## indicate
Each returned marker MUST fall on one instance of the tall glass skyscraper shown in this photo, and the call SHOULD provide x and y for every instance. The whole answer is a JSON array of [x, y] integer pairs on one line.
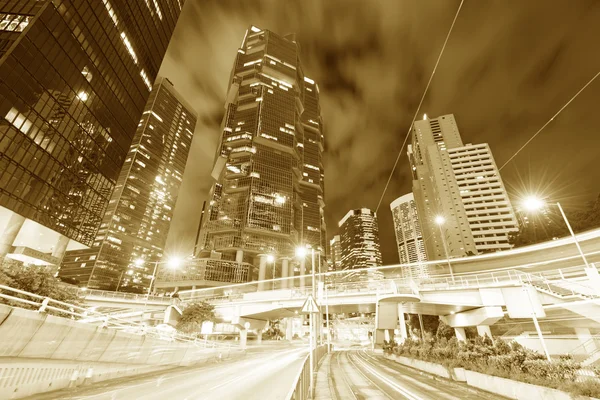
[[74, 80], [411, 247], [135, 228], [268, 194], [359, 233]]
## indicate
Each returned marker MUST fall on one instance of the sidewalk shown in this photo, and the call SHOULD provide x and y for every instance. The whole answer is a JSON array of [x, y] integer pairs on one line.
[[322, 384]]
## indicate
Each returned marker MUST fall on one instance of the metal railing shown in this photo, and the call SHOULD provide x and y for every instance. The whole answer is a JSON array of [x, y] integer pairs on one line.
[[302, 384], [561, 282], [130, 297], [20, 298], [583, 348]]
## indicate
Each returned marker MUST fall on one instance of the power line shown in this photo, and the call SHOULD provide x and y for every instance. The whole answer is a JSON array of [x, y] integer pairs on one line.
[[550, 120], [420, 103]]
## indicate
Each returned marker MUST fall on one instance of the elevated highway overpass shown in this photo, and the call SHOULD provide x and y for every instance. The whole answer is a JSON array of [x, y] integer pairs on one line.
[[551, 277]]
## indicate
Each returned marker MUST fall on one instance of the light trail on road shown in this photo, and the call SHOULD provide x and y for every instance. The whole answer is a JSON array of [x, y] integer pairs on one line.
[[360, 375], [262, 375]]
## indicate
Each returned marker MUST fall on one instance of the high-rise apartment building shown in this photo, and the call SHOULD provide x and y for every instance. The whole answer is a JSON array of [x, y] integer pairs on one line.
[[135, 228], [74, 80], [335, 253], [411, 246], [461, 200], [268, 194], [359, 233]]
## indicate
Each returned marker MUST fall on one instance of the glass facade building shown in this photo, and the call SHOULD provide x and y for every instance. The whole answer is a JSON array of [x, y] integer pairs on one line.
[[268, 194], [335, 253], [411, 247], [74, 80], [133, 234], [359, 233]]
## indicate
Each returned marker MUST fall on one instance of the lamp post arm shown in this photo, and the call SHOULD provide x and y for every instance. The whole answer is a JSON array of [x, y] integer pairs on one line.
[[572, 234]]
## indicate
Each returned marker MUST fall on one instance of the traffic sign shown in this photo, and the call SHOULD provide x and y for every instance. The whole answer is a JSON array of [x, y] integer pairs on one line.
[[310, 306]]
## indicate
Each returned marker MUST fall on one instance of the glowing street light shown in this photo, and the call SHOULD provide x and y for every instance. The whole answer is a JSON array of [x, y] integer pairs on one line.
[[300, 252], [139, 262], [270, 258], [532, 204], [174, 262], [440, 220]]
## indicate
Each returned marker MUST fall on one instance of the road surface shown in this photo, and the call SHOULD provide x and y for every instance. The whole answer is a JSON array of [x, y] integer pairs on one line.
[[358, 375], [266, 375]]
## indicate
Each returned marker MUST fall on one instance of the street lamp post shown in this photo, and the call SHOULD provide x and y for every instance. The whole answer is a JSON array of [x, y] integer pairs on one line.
[[440, 220], [537, 325], [535, 204], [173, 263]]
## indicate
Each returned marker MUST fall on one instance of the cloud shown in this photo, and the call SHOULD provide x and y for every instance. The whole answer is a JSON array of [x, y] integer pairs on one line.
[[505, 71]]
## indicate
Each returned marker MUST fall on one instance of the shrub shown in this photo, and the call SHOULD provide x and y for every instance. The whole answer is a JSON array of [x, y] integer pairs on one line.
[[498, 358]]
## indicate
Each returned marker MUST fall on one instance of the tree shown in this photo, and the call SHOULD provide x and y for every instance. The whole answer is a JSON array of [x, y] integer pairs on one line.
[[430, 323], [36, 281], [274, 331], [194, 315], [444, 331]]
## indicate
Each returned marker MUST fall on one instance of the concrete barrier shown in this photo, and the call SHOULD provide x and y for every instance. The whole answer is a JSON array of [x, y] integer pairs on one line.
[[40, 353], [513, 389]]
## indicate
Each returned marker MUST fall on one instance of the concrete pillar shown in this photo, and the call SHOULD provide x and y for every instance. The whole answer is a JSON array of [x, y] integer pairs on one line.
[[60, 248], [302, 273], [402, 324], [460, 334], [10, 234], [291, 274], [285, 265], [262, 272], [239, 256], [483, 330], [585, 338], [259, 337], [289, 329], [243, 338]]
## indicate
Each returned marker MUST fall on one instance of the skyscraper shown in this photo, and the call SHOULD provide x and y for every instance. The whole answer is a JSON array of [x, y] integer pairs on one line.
[[268, 194], [359, 233], [335, 253], [135, 228], [74, 79], [461, 200], [411, 247]]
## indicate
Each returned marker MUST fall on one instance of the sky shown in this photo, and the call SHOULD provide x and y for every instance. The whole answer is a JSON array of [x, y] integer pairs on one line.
[[508, 67]]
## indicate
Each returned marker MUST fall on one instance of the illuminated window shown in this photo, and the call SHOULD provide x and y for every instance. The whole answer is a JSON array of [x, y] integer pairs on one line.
[[146, 79], [111, 12], [129, 47], [13, 23]]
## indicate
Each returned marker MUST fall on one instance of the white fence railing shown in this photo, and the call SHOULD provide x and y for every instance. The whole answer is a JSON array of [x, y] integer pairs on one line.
[[19, 298]]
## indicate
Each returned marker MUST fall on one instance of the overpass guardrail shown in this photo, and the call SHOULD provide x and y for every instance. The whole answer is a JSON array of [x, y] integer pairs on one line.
[[20, 298], [302, 385], [562, 282]]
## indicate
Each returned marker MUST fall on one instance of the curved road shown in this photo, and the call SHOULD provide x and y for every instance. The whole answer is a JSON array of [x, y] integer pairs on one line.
[[358, 375], [260, 375]]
